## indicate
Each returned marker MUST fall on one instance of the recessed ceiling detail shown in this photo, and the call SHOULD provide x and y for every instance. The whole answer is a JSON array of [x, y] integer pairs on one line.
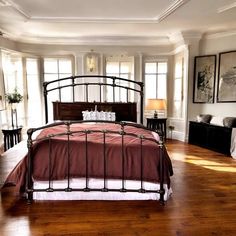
[[147, 22], [171, 7]]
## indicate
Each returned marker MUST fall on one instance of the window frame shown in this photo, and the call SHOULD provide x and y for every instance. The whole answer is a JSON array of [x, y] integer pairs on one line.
[[130, 76], [58, 58], [178, 113], [156, 77]]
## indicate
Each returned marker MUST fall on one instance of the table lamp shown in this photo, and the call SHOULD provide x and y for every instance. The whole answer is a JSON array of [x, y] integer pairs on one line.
[[155, 104]]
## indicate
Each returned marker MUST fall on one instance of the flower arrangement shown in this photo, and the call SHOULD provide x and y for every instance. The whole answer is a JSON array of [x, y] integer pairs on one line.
[[14, 97]]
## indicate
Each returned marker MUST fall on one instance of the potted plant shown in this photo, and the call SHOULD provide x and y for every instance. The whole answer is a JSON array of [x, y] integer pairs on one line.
[[13, 98]]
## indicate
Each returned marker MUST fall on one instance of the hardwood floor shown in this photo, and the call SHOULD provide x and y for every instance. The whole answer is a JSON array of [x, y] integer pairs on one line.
[[203, 203]]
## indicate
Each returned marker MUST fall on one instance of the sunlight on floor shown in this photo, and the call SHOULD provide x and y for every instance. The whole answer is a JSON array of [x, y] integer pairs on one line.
[[19, 225], [213, 165]]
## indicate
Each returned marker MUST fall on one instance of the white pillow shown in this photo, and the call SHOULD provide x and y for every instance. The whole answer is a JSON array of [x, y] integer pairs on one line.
[[217, 120]]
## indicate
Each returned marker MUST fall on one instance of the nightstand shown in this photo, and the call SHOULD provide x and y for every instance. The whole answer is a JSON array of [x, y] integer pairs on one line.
[[12, 136], [157, 124]]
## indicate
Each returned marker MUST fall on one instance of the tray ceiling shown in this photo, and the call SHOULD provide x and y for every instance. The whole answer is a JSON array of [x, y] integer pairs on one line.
[[113, 21]]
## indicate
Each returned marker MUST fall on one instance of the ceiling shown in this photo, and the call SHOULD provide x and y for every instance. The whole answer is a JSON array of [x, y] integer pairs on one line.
[[115, 22]]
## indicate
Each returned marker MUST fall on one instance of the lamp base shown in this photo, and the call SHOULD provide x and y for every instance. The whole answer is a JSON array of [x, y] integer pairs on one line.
[[155, 115]]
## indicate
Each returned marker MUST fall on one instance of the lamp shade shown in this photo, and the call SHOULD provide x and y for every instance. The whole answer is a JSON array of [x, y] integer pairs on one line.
[[156, 104]]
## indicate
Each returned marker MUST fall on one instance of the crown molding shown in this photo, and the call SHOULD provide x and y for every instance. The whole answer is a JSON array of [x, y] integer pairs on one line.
[[185, 36], [94, 40], [179, 49], [173, 7], [219, 34], [226, 7], [17, 8], [4, 3], [94, 20]]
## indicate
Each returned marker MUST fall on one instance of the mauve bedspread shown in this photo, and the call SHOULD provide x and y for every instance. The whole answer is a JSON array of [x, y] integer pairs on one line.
[[76, 164]]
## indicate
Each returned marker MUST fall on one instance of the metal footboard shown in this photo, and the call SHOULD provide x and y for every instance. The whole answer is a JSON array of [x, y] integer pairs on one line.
[[104, 133]]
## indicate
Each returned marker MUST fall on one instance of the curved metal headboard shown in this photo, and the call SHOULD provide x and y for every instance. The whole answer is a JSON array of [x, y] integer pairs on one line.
[[75, 83]]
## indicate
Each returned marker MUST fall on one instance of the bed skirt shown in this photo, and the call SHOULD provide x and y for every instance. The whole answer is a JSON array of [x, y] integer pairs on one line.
[[98, 195]]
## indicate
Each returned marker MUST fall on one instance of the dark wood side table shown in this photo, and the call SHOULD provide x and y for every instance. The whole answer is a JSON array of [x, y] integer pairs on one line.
[[12, 136], [158, 124]]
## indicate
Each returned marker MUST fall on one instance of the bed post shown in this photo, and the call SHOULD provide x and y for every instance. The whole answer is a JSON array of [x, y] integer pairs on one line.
[[162, 190], [141, 103], [45, 93], [29, 182], [73, 86]]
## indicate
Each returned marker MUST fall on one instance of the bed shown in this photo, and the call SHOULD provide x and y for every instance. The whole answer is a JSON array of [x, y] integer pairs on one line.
[[74, 159]]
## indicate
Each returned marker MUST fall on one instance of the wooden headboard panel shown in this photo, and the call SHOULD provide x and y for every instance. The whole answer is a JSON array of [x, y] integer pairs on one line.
[[73, 110]]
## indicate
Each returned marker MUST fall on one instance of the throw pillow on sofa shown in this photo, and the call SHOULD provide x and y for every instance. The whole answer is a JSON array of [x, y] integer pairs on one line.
[[229, 122], [204, 118]]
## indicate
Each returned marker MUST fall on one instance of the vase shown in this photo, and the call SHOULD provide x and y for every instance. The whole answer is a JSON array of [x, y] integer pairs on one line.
[[14, 115]]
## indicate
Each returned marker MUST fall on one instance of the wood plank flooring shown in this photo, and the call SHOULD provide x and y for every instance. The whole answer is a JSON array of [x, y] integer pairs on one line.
[[203, 203]]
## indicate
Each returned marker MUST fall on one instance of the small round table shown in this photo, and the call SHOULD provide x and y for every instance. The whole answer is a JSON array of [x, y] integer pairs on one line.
[[12, 136]]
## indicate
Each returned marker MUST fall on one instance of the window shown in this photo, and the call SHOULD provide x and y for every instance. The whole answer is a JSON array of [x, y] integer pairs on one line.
[[178, 88], [155, 79], [56, 68], [34, 105], [13, 79], [23, 74], [122, 69]]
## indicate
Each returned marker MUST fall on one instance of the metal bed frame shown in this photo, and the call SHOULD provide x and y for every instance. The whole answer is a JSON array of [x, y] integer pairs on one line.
[[68, 134], [75, 82]]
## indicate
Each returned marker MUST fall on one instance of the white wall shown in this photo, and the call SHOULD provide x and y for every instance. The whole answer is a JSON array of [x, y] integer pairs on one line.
[[214, 45], [179, 121]]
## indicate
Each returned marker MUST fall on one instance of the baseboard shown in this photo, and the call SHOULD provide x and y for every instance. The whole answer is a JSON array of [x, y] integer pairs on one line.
[[177, 136]]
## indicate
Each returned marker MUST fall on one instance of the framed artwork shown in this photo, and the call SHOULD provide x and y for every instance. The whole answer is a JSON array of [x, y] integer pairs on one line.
[[204, 79], [226, 89]]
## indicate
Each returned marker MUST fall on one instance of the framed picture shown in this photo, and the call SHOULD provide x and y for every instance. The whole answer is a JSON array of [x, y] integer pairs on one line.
[[204, 79], [226, 89]]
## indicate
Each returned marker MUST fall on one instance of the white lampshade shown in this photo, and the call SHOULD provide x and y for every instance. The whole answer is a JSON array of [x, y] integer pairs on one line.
[[156, 104]]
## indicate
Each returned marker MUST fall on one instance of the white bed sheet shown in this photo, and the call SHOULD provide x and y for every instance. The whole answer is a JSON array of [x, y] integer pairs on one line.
[[233, 143], [98, 183]]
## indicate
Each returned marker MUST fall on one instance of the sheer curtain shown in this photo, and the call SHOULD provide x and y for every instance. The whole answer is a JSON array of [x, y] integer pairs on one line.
[[23, 74], [13, 79], [34, 102]]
